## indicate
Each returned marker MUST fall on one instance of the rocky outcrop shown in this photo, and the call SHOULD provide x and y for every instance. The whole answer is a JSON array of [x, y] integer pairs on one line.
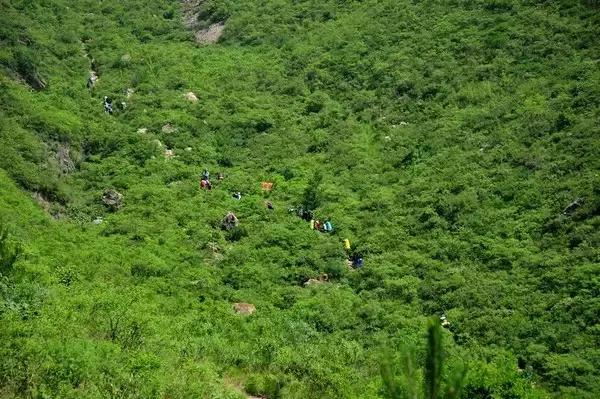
[[229, 222], [210, 34], [112, 199], [204, 32], [65, 163]]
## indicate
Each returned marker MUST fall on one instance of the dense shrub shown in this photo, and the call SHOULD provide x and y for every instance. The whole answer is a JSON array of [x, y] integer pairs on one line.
[[451, 142]]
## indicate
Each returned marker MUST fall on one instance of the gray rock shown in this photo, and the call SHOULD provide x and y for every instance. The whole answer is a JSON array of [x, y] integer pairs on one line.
[[112, 199]]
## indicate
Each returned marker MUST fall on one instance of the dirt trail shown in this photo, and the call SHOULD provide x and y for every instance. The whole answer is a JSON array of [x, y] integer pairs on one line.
[[93, 73]]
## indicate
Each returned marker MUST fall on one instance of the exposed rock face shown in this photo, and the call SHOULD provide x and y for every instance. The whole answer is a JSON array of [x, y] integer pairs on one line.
[[203, 34], [65, 162], [112, 199], [57, 211], [572, 207], [244, 308], [210, 34], [30, 75]]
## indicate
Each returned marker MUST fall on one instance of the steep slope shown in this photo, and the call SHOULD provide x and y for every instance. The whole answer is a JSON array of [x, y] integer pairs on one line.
[[451, 140]]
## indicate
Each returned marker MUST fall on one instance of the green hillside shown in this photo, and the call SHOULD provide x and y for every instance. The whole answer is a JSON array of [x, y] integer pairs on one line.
[[455, 144]]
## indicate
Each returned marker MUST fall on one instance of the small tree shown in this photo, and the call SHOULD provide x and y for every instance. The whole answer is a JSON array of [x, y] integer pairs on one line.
[[433, 361], [432, 373], [312, 194]]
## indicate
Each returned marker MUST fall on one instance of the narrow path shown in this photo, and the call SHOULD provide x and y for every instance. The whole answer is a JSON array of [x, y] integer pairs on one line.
[[93, 73]]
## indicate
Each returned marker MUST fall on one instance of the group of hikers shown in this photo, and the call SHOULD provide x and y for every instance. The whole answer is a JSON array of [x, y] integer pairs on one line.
[[302, 213], [108, 105], [355, 258], [205, 181], [206, 184], [309, 216], [325, 227], [107, 102]]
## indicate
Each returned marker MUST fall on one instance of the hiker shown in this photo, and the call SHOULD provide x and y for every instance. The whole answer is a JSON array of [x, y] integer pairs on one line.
[[220, 176], [347, 244], [206, 184], [108, 105], [327, 227], [306, 214], [312, 224], [269, 205], [92, 81], [318, 225], [237, 196], [205, 175], [444, 321], [357, 261]]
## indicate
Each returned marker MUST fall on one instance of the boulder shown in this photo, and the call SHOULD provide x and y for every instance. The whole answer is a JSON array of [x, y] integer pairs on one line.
[[229, 222], [323, 278], [190, 96], [572, 207], [312, 281], [112, 199], [210, 34], [169, 128], [244, 308]]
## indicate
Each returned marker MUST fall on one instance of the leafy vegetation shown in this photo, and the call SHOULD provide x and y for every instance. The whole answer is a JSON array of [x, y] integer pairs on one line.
[[453, 143]]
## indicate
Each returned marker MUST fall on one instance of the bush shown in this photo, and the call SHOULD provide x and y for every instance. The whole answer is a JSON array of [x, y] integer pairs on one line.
[[9, 251], [236, 234]]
